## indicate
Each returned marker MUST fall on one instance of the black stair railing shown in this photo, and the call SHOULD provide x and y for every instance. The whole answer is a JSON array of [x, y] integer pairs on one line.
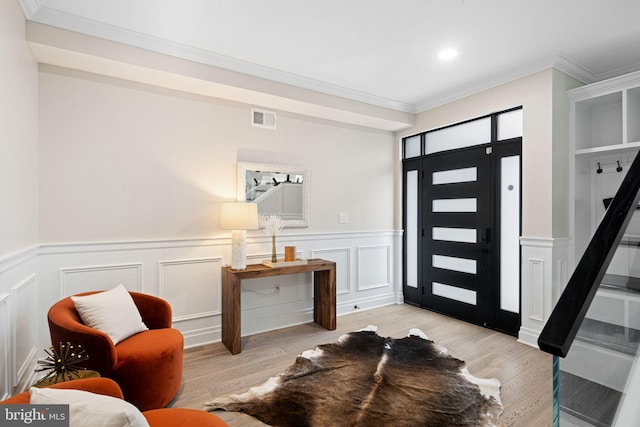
[[563, 324]]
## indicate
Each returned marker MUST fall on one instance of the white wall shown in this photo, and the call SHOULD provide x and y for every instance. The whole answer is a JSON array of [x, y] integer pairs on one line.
[[19, 137], [18, 201], [561, 152], [131, 179], [125, 163]]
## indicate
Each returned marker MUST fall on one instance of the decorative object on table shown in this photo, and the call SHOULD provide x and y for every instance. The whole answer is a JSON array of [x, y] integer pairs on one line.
[[282, 263], [62, 365], [397, 382], [272, 226], [289, 253], [239, 217]]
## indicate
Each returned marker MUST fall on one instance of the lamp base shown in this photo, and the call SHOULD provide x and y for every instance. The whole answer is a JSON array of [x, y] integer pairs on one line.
[[238, 249]]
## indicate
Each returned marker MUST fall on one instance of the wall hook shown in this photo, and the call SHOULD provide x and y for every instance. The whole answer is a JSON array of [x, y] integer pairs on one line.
[[619, 168], [599, 170]]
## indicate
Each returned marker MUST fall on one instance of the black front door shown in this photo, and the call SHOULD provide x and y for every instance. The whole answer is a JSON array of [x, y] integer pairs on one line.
[[457, 227], [457, 233]]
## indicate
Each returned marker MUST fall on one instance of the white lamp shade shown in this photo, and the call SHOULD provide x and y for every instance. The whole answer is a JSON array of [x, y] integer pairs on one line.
[[239, 216]]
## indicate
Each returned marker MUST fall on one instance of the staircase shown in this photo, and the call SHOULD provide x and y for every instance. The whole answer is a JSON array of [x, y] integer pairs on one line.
[[593, 375], [594, 329]]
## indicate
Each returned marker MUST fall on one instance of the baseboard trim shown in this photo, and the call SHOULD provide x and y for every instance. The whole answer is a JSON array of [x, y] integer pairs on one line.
[[528, 337]]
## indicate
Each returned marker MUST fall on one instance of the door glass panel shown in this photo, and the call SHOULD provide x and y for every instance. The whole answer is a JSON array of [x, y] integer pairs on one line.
[[412, 228], [453, 292], [455, 175], [510, 234], [412, 147], [463, 135], [462, 235], [454, 205], [510, 124], [463, 265]]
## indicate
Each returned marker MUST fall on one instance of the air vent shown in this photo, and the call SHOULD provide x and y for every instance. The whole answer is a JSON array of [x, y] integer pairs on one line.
[[263, 119]]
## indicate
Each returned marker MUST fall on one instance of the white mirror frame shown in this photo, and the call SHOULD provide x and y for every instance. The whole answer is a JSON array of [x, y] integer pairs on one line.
[[242, 169]]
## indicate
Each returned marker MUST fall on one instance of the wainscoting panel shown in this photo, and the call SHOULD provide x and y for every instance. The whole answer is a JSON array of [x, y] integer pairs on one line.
[[342, 258], [536, 290], [5, 348], [24, 344], [187, 274], [75, 280], [272, 291], [374, 267], [544, 275], [20, 324], [192, 287]]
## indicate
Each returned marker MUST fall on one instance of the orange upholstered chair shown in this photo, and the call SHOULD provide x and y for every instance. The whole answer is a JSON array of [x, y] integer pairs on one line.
[[147, 366], [167, 417]]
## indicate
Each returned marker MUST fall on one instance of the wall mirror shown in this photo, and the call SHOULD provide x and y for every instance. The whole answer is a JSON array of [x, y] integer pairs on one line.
[[281, 190]]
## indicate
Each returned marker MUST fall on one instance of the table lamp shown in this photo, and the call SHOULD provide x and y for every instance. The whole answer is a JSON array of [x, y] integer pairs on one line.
[[239, 217]]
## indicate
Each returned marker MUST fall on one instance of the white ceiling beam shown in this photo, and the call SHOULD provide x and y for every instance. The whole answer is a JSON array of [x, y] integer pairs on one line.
[[56, 46]]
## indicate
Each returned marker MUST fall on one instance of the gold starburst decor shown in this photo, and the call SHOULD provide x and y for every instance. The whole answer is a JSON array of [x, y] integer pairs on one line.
[[62, 365]]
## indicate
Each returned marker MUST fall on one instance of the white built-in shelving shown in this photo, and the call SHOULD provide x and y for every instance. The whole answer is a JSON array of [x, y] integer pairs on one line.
[[604, 140], [605, 136]]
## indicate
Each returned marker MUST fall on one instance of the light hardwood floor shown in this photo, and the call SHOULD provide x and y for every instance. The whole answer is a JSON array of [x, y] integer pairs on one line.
[[525, 372]]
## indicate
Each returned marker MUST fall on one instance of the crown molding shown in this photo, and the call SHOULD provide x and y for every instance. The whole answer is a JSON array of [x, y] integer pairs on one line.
[[612, 84], [35, 11], [620, 72], [561, 63], [44, 15], [573, 69], [30, 7]]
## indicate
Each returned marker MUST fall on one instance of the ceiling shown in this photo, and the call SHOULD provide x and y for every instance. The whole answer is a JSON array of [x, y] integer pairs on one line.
[[380, 52]]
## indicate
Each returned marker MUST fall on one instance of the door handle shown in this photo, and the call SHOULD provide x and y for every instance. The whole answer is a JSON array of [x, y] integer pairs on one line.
[[485, 235]]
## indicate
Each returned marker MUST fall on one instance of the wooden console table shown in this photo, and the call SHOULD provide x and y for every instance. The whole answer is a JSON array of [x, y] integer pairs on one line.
[[324, 295]]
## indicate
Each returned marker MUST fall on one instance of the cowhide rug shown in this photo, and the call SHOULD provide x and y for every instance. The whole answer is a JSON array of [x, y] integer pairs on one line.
[[368, 380]]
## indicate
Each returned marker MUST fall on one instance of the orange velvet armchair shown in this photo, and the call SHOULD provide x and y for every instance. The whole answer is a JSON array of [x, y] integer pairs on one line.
[[167, 417], [147, 366]]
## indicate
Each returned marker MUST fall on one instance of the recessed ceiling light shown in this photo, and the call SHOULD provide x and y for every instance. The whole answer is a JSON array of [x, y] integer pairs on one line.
[[447, 54]]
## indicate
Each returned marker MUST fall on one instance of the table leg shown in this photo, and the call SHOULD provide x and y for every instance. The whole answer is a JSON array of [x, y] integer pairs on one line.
[[231, 312], [324, 298]]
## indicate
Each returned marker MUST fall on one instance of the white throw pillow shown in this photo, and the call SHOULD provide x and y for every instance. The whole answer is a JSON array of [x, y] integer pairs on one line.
[[90, 409], [112, 312]]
